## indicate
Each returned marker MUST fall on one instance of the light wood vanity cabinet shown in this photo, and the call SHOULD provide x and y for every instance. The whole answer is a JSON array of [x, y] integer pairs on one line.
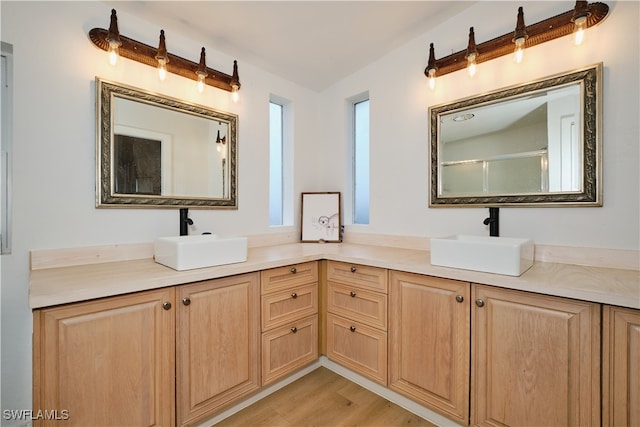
[[621, 367], [218, 344], [158, 358], [357, 318], [429, 342], [535, 359], [289, 319], [108, 362]]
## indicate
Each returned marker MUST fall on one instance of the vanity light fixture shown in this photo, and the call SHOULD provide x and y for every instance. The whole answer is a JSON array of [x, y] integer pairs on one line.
[[162, 58], [119, 45], [113, 39], [201, 72], [431, 69], [520, 36], [583, 15], [472, 53], [580, 16]]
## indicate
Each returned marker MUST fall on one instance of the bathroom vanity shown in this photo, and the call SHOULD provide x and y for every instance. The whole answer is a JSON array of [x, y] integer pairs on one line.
[[528, 349]]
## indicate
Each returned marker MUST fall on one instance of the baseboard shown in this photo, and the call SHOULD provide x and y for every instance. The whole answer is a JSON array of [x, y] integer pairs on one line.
[[261, 394], [390, 395]]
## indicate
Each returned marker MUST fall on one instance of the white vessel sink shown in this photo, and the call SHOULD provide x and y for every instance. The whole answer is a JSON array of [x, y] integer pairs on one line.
[[189, 252], [500, 255]]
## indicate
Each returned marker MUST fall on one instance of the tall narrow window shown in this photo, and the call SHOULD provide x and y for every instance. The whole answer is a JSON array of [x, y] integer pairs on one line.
[[6, 108], [361, 162], [276, 138]]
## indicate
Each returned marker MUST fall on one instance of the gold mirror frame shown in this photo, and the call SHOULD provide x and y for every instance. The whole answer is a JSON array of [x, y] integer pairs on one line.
[[106, 197], [590, 79]]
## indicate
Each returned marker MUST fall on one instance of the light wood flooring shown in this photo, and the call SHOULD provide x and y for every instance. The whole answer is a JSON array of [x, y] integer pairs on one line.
[[323, 398]]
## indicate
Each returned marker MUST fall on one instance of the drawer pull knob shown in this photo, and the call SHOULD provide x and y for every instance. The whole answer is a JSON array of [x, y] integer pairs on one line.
[[353, 269], [294, 295], [186, 300], [353, 294], [352, 328], [480, 303], [293, 270], [459, 298], [294, 329], [166, 305]]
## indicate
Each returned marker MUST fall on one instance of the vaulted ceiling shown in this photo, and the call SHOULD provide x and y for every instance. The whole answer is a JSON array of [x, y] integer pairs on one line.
[[312, 43]]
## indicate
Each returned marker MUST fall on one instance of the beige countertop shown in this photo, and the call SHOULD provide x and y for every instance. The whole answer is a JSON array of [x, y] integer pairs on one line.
[[54, 286]]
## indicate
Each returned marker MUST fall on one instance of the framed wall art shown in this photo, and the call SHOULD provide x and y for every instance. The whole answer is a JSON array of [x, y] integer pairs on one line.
[[321, 217]]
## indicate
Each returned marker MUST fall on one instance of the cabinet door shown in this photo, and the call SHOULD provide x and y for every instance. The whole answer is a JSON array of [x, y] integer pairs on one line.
[[621, 367], [108, 362], [288, 348], [429, 342], [218, 344], [358, 347], [535, 360]]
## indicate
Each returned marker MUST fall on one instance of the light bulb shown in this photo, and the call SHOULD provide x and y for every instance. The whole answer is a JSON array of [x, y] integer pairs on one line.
[[579, 29], [519, 51], [471, 64], [113, 52], [235, 95], [201, 77], [432, 78], [218, 147], [162, 69]]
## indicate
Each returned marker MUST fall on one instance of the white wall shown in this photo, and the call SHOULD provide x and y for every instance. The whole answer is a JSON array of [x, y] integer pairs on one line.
[[54, 136], [400, 98], [54, 144]]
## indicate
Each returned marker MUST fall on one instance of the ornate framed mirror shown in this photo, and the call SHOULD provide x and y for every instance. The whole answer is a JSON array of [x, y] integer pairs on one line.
[[535, 144], [156, 151]]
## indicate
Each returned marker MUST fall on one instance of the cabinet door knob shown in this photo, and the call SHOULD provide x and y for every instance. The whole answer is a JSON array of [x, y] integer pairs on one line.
[[480, 303], [353, 294], [294, 295], [293, 270], [166, 305], [353, 269], [186, 300], [352, 328], [459, 298], [294, 329]]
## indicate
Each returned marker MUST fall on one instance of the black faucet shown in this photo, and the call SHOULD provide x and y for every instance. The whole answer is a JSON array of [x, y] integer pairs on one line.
[[493, 222], [185, 221]]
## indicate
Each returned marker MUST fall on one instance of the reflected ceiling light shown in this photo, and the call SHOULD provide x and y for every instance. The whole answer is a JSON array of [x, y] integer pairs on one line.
[[472, 53], [584, 15], [519, 36], [464, 117], [118, 45], [162, 58], [220, 141]]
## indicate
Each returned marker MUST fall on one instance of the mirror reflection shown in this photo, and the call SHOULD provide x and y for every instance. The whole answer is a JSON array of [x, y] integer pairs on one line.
[[535, 143], [157, 151]]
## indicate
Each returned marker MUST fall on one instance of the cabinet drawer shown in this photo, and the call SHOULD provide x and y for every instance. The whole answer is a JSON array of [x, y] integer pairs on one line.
[[363, 276], [277, 279], [288, 348], [358, 304], [282, 307], [358, 347]]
